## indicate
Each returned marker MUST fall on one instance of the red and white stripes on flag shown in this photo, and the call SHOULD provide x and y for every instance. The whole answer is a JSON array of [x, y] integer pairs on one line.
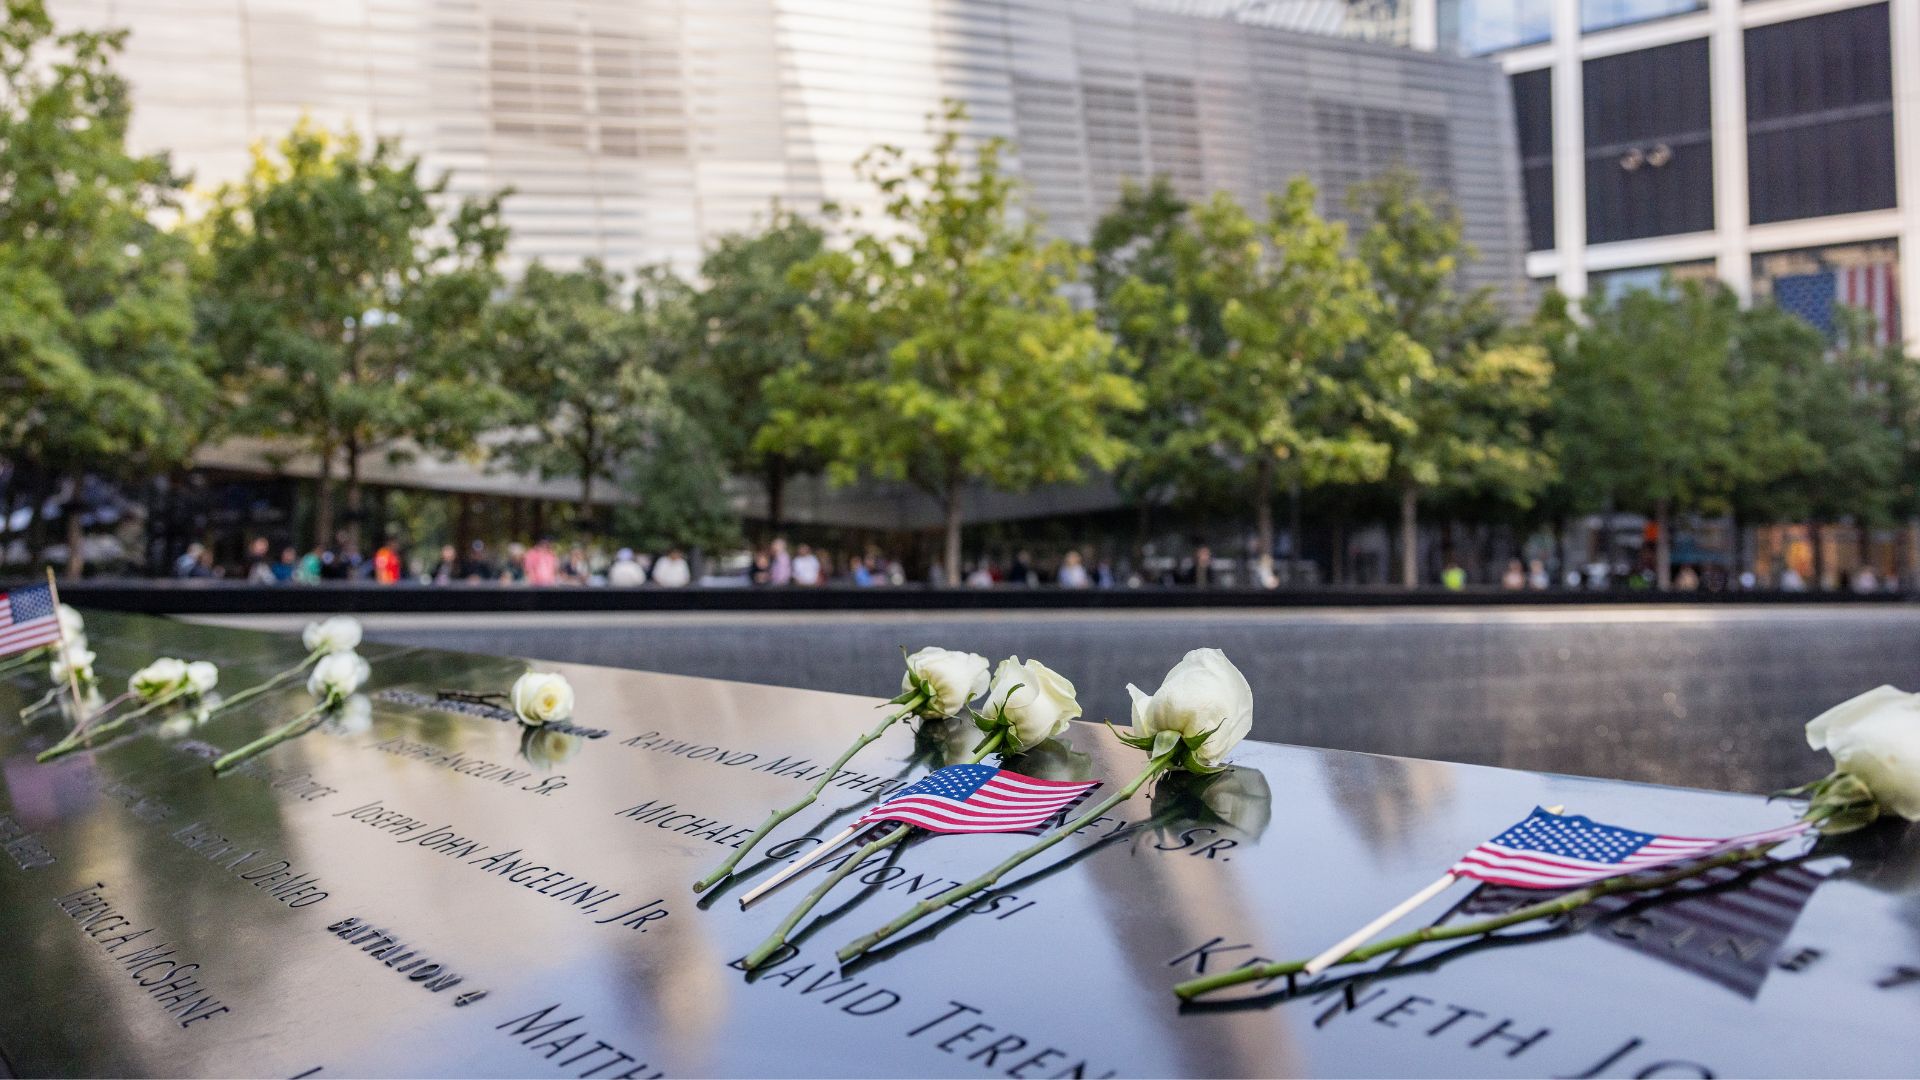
[[1565, 851], [28, 618], [978, 799], [1871, 289]]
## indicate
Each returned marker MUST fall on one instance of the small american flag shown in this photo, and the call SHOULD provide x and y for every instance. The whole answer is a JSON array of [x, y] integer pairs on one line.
[[27, 619], [1563, 851], [1813, 297], [978, 799]]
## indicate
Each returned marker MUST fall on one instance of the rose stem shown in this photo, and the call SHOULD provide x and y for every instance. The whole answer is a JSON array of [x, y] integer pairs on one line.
[[819, 785], [778, 939], [262, 688], [25, 658], [75, 739], [927, 907], [266, 742], [1193, 988]]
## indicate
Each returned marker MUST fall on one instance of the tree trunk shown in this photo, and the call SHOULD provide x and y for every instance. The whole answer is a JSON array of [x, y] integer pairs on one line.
[[1263, 521], [40, 492], [76, 536], [1410, 536], [950, 557], [1910, 577], [1560, 549], [354, 497], [776, 482], [1662, 546], [1296, 541], [1736, 541], [586, 502], [1819, 582], [323, 502]]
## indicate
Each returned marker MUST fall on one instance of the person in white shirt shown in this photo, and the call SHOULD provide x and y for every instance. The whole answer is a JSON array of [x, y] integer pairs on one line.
[[806, 566], [1073, 572], [670, 571], [626, 572]]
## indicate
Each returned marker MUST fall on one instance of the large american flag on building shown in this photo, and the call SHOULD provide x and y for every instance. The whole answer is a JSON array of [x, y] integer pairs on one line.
[[978, 799], [1814, 297], [27, 618], [1564, 851]]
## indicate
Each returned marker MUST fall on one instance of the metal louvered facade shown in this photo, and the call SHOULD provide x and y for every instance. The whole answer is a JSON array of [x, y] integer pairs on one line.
[[633, 131]]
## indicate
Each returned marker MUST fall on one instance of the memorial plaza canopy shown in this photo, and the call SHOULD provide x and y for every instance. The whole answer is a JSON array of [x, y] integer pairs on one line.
[[437, 891]]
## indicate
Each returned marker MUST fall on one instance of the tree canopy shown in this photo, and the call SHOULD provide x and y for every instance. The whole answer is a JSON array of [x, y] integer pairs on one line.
[[343, 292], [945, 350], [96, 316]]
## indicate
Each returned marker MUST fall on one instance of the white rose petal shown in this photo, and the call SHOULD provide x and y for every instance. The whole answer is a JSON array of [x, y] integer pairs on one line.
[[953, 678], [354, 717], [339, 634], [1875, 737], [160, 677], [337, 676], [78, 661], [542, 697], [1037, 700], [203, 676], [72, 626], [1203, 693]]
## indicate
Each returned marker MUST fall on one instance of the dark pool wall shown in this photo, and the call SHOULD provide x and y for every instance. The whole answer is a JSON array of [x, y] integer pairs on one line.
[[1696, 696]]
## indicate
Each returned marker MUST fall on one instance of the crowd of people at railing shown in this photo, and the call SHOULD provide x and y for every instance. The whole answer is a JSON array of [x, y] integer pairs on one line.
[[779, 564]]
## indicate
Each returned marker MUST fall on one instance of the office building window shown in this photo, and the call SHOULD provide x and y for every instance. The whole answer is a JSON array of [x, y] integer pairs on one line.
[[1608, 286], [1601, 14], [1476, 27], [1816, 283], [1820, 116], [1533, 120], [1649, 144]]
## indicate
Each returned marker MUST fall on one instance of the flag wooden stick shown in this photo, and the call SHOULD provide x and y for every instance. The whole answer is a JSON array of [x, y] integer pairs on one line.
[[1345, 945], [1361, 936], [797, 868], [66, 658]]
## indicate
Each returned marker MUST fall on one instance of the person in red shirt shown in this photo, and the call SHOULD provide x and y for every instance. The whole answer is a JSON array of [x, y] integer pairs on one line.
[[543, 564], [386, 564]]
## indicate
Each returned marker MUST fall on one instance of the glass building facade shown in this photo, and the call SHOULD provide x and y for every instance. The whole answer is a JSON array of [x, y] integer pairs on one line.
[[1775, 141], [633, 131]]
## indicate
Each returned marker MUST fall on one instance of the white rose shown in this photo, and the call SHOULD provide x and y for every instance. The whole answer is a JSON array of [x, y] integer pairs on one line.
[[72, 626], [1203, 693], [337, 676], [354, 716], [1037, 700], [203, 676], [542, 697], [951, 679], [163, 676], [546, 748], [78, 661], [1875, 738], [338, 634]]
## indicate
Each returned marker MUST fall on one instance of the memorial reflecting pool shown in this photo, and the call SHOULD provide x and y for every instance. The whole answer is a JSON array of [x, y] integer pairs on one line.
[[1698, 696], [437, 894]]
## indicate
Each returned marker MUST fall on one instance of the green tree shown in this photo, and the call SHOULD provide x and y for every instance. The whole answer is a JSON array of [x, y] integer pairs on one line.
[[344, 297], [1152, 295], [1644, 408], [96, 320], [584, 358], [1272, 401], [947, 351], [748, 329], [679, 480], [1458, 406]]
